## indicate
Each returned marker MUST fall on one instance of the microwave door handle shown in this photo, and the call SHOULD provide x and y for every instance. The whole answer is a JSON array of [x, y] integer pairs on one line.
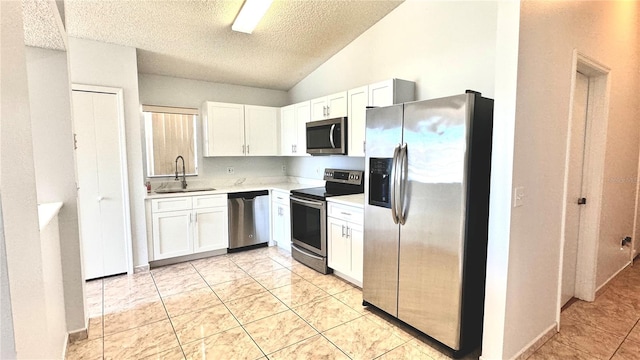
[[394, 165], [333, 128]]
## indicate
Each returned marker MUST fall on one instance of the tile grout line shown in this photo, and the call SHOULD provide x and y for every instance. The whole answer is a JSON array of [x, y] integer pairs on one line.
[[167, 312], [229, 310], [623, 340]]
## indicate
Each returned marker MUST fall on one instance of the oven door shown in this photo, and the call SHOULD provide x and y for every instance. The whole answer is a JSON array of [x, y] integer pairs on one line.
[[309, 224]]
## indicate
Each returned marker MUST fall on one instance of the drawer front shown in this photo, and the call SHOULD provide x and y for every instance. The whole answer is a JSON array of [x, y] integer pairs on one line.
[[347, 213], [171, 204], [207, 201], [280, 197]]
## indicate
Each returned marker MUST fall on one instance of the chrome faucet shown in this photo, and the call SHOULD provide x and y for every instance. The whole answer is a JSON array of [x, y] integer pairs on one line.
[[184, 176]]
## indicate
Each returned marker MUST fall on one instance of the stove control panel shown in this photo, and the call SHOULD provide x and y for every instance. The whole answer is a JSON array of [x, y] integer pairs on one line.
[[354, 177]]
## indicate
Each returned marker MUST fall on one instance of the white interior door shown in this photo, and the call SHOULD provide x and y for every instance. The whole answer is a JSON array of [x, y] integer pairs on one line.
[[101, 193], [575, 186]]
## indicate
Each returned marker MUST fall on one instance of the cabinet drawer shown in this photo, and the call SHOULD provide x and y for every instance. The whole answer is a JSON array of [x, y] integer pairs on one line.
[[280, 197], [206, 201], [171, 204], [348, 213]]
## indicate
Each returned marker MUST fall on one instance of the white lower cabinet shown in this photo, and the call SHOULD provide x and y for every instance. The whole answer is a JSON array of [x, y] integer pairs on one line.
[[281, 219], [189, 225], [344, 238]]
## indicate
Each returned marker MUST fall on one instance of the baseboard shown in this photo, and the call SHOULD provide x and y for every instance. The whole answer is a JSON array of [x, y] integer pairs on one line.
[[141, 269], [77, 335], [348, 278], [65, 347], [534, 345], [602, 288]]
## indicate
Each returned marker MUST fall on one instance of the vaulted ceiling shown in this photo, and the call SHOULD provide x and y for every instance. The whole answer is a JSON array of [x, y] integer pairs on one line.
[[193, 39]]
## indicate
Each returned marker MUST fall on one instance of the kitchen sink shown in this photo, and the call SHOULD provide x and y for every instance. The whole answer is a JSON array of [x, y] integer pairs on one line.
[[179, 190]]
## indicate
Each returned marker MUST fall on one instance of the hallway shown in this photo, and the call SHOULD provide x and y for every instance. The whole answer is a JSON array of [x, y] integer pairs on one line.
[[607, 328]]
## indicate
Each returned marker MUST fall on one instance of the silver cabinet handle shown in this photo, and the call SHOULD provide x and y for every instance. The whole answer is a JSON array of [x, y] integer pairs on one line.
[[243, 148], [328, 111], [331, 131], [293, 148], [342, 230], [349, 232], [394, 165], [345, 213], [324, 111]]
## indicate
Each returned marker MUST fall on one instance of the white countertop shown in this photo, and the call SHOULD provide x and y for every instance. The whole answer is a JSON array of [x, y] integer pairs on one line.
[[284, 186], [48, 211], [350, 200]]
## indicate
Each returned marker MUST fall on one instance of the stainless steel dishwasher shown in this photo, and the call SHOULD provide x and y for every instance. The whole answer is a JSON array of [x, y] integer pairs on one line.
[[248, 219]]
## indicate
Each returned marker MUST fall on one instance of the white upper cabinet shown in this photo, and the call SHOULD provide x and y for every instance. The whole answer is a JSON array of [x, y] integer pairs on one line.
[[384, 93], [223, 129], [389, 92], [239, 130], [358, 102], [328, 107], [261, 130], [293, 129]]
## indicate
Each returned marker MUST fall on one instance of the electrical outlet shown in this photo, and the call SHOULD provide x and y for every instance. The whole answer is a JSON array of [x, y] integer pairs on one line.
[[284, 168], [230, 170]]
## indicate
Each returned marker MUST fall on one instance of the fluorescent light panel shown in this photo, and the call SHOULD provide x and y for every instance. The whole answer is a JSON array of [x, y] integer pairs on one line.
[[250, 15]]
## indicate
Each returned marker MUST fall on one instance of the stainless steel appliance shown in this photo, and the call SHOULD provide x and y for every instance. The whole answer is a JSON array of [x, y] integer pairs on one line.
[[426, 211], [248, 219], [327, 137], [309, 216]]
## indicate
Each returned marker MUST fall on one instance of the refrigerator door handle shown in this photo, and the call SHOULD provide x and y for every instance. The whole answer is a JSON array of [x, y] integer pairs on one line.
[[394, 172], [402, 183]]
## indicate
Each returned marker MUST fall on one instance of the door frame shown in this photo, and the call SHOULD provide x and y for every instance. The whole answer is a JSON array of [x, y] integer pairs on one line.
[[594, 157], [123, 161]]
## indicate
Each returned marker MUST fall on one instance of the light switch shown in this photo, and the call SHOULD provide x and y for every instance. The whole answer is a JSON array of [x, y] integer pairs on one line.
[[518, 196]]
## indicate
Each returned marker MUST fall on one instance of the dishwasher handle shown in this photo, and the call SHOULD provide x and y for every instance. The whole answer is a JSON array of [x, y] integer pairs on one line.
[[247, 195]]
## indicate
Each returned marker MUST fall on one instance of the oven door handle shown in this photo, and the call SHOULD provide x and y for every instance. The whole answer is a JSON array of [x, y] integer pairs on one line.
[[307, 253], [317, 204]]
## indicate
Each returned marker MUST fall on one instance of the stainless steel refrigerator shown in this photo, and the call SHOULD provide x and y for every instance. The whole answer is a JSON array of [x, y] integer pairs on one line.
[[426, 215]]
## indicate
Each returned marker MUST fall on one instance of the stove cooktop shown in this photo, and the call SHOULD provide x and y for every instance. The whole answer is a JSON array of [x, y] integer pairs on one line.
[[338, 182]]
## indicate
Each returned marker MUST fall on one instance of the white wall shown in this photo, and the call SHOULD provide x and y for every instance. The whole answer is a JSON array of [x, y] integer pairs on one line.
[[54, 164], [549, 32], [7, 340], [18, 189], [171, 91], [102, 64], [446, 47]]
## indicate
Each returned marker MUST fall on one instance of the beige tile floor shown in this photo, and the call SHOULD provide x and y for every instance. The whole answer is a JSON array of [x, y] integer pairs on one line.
[[256, 304], [607, 328]]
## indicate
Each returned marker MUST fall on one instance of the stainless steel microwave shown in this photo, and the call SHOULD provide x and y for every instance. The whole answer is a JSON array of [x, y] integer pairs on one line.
[[327, 137]]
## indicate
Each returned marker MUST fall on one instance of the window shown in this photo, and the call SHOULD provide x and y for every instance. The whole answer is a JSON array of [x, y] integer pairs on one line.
[[170, 132]]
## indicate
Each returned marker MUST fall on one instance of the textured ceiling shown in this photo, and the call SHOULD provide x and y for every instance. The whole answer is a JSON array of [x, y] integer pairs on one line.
[[41, 27], [193, 39]]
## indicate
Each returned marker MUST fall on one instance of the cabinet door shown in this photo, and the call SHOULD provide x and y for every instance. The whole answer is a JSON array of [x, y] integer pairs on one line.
[[261, 130], [286, 227], [211, 229], [303, 116], [319, 108], [339, 246], [358, 101], [172, 234], [224, 129], [288, 130], [337, 105], [381, 94], [356, 236]]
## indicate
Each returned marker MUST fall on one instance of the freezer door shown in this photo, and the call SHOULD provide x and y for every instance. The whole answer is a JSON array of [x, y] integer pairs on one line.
[[432, 238], [380, 277]]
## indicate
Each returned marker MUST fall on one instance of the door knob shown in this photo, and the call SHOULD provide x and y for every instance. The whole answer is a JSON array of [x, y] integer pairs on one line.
[[582, 201]]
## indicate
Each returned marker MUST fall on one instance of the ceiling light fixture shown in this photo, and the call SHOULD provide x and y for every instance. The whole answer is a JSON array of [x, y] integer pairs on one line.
[[250, 15]]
